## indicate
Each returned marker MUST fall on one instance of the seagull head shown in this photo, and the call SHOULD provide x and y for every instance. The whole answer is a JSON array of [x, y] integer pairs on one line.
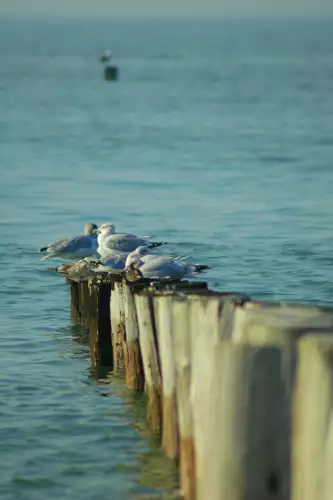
[[143, 250], [133, 260], [90, 228], [105, 229]]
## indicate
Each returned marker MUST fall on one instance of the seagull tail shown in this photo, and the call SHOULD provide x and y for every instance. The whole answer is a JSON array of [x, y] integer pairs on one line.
[[200, 269], [155, 244], [43, 249]]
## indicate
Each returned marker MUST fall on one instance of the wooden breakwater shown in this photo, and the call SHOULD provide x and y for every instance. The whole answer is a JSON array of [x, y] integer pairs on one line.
[[240, 392]]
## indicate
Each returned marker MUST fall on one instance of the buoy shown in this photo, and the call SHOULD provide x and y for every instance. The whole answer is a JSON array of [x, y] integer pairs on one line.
[[111, 73]]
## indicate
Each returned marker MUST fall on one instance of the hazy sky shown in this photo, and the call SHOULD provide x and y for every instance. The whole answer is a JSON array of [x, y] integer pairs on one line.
[[169, 7]]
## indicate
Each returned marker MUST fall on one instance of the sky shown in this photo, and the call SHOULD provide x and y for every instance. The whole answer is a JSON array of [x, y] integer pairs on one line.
[[248, 8]]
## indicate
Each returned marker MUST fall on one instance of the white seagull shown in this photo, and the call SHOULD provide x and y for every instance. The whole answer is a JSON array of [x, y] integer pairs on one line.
[[108, 240], [77, 246], [114, 262], [160, 266]]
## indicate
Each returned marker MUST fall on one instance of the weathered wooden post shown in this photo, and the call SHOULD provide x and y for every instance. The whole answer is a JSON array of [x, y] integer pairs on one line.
[[131, 348], [85, 303], [220, 430], [164, 330], [151, 366], [187, 317], [280, 324], [205, 337], [241, 394], [312, 445], [99, 323], [75, 304], [275, 325], [117, 314], [182, 357], [240, 380]]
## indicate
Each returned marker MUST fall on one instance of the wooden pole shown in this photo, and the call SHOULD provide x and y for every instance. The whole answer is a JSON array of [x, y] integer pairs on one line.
[[312, 456], [99, 323], [75, 307], [265, 472], [280, 325], [204, 335], [117, 325], [182, 357], [84, 301], [220, 431], [164, 330], [194, 314], [150, 359], [131, 348]]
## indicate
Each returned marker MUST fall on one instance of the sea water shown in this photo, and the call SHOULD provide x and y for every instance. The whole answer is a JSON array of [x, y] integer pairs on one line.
[[217, 138]]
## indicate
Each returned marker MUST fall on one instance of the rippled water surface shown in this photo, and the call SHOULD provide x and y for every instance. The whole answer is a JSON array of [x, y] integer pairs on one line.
[[218, 139]]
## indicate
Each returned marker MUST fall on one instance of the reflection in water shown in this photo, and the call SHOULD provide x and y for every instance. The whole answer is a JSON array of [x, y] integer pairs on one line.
[[157, 476], [80, 340]]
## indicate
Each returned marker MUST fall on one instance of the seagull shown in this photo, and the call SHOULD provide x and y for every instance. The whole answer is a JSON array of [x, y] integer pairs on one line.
[[106, 56], [77, 246], [108, 240], [113, 262], [160, 266]]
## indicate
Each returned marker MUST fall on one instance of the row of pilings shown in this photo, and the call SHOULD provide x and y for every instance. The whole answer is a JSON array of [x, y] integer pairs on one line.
[[240, 392]]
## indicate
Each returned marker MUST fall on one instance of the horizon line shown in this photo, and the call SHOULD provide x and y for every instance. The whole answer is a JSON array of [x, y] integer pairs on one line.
[[168, 16]]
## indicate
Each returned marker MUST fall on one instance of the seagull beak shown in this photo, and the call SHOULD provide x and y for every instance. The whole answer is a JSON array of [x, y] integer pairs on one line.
[[96, 231]]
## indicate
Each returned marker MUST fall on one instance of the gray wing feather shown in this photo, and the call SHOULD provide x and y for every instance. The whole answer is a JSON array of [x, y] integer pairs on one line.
[[70, 245]]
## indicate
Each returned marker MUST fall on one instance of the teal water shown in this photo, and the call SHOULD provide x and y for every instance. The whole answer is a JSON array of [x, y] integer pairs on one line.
[[217, 139]]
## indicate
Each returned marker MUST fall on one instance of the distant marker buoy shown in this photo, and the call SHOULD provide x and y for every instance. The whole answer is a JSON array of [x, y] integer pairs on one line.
[[111, 73]]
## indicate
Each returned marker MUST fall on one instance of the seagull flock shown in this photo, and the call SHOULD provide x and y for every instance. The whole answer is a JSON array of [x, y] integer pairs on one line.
[[102, 250]]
